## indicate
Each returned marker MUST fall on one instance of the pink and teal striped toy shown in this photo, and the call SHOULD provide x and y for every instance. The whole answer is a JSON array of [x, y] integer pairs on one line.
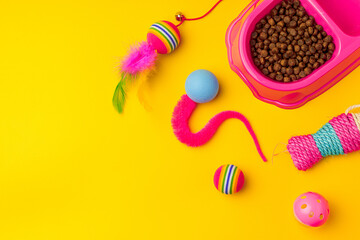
[[339, 136]]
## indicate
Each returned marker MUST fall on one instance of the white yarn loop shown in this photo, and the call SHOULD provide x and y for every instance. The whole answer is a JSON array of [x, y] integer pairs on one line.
[[352, 108], [356, 117]]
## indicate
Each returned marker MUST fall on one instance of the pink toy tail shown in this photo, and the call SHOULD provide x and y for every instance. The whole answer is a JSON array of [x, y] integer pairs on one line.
[[180, 119]]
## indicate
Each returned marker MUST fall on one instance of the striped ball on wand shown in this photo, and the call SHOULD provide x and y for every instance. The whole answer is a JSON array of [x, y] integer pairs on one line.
[[163, 37]]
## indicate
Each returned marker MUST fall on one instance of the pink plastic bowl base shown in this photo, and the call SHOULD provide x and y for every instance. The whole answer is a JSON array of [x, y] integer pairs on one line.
[[311, 209], [340, 19]]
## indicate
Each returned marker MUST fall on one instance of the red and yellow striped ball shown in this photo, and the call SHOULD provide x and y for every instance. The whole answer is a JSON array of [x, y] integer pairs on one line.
[[164, 37], [228, 179]]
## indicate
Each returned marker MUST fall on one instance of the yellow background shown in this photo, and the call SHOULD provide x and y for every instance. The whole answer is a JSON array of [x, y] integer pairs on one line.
[[72, 168]]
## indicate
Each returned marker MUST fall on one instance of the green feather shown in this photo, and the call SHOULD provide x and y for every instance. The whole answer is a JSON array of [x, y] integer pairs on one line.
[[120, 94]]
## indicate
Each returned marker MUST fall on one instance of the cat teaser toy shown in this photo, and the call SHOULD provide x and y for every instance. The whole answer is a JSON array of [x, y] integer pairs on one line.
[[339, 136], [163, 37]]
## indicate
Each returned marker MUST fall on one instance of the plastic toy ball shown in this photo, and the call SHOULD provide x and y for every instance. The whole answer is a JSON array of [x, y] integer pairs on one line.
[[201, 86], [311, 209], [228, 179]]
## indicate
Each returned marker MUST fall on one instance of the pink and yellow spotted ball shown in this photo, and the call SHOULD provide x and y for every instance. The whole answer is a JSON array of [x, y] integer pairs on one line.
[[311, 209]]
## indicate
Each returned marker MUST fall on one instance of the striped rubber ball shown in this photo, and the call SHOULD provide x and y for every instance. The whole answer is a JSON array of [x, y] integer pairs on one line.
[[164, 37], [228, 179]]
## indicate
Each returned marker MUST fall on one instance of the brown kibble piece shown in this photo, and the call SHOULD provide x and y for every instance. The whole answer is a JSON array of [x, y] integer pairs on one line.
[[316, 65], [302, 26], [307, 71], [331, 46], [304, 47], [328, 39], [292, 11], [306, 59], [312, 50], [292, 32], [264, 53], [272, 75], [287, 19], [274, 11], [292, 62], [277, 67], [309, 22], [296, 70], [265, 71], [271, 31], [263, 36], [310, 30], [284, 62], [279, 77], [312, 60], [271, 21], [302, 74], [292, 24], [274, 50], [281, 24], [318, 46], [289, 71], [274, 39], [328, 56], [262, 61], [270, 68], [319, 27]]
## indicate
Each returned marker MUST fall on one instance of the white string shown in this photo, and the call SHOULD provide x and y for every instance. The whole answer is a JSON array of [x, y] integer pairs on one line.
[[352, 108], [356, 117], [276, 154]]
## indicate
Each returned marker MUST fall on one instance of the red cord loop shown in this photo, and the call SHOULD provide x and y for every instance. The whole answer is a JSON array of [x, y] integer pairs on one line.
[[180, 17]]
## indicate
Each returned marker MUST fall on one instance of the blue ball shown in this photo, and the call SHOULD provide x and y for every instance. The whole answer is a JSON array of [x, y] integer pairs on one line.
[[201, 86]]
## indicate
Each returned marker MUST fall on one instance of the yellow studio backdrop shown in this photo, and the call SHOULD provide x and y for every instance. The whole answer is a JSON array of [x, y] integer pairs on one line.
[[72, 168]]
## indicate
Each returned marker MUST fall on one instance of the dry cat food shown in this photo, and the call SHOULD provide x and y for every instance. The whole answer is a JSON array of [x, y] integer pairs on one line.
[[288, 45]]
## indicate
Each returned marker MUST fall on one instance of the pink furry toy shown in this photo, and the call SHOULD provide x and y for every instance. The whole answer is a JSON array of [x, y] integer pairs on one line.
[[197, 87]]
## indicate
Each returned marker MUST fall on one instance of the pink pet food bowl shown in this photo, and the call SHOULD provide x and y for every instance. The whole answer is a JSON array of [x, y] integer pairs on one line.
[[339, 18]]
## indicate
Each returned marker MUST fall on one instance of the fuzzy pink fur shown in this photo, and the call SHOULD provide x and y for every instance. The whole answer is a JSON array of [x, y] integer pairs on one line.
[[180, 119], [140, 58]]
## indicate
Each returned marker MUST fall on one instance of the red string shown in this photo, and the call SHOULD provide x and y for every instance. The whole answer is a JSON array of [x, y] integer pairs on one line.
[[193, 19]]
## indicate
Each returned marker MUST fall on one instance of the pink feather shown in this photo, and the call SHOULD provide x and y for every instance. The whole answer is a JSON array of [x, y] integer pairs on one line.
[[180, 119], [140, 58]]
